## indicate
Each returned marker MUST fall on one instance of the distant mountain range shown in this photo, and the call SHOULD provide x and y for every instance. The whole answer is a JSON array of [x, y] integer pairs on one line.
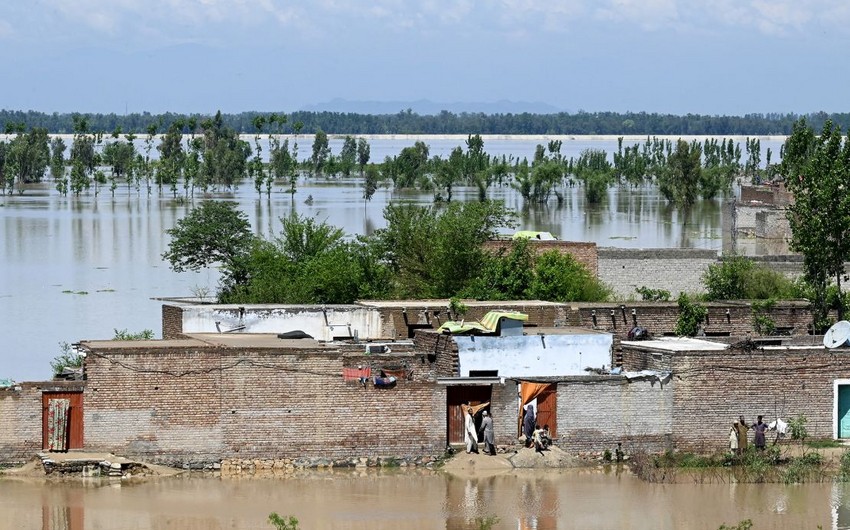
[[426, 107]]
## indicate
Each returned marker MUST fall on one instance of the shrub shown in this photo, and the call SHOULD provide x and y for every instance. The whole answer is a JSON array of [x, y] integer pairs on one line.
[[798, 427], [69, 358], [691, 315], [739, 278], [653, 295]]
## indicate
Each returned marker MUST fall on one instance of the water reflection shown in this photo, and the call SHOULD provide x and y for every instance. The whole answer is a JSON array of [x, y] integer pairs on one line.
[[419, 500]]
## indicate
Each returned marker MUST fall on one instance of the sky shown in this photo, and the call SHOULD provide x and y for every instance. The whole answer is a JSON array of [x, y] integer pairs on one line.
[[676, 56]]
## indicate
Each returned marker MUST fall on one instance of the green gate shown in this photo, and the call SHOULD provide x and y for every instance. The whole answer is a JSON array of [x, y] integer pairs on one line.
[[844, 411]]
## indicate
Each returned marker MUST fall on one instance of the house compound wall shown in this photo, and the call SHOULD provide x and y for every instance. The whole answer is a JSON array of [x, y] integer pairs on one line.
[[595, 413], [20, 423], [711, 389], [670, 269], [196, 405]]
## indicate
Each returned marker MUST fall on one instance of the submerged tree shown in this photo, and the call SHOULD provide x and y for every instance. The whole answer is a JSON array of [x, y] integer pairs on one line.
[[212, 233]]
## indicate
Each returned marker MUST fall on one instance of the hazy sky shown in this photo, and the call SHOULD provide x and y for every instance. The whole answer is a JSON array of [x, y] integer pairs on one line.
[[680, 56]]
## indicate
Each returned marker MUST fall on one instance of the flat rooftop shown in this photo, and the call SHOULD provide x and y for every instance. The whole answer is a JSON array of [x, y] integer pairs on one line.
[[439, 304], [236, 340], [675, 344]]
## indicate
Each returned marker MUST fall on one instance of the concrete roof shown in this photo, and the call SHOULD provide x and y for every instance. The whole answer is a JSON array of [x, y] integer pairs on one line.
[[675, 344]]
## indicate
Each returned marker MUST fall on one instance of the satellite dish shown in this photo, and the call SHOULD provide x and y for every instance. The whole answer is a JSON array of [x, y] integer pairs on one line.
[[837, 335]]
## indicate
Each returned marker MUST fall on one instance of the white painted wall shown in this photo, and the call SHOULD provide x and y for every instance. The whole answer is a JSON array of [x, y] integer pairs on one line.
[[366, 321], [534, 355]]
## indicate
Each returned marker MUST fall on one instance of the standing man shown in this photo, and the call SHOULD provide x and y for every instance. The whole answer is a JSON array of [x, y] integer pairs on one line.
[[469, 434], [487, 431], [759, 427], [742, 428]]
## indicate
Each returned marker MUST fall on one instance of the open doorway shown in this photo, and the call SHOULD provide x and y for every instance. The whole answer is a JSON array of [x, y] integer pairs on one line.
[[456, 397]]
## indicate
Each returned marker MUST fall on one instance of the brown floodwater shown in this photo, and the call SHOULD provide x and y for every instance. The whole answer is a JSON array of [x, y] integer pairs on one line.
[[417, 499]]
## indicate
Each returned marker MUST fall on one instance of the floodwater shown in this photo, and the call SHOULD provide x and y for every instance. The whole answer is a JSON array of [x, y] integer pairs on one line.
[[77, 268], [415, 499]]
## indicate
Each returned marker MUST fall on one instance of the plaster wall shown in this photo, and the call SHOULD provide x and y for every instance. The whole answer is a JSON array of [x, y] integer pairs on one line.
[[534, 355], [336, 320]]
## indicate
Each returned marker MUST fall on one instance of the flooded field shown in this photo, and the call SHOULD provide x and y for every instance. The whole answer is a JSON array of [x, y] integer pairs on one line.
[[415, 499], [78, 268]]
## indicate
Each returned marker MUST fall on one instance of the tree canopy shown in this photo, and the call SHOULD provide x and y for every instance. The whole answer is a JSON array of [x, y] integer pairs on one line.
[[817, 172], [212, 233]]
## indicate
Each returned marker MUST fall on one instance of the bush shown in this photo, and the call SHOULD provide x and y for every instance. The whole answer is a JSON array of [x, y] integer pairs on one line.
[[653, 295], [739, 278], [560, 278], [691, 315]]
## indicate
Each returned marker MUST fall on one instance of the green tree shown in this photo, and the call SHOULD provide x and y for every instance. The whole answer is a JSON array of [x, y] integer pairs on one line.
[[680, 181], [321, 152], [560, 278], [171, 157], [370, 182], [363, 153], [224, 155], [739, 278], [212, 233], [435, 253], [348, 155], [817, 172]]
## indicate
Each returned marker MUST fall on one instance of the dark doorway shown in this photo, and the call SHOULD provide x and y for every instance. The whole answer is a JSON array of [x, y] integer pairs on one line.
[[456, 397]]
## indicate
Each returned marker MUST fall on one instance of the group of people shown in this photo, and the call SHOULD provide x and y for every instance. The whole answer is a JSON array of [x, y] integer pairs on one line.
[[534, 435], [470, 434], [738, 438]]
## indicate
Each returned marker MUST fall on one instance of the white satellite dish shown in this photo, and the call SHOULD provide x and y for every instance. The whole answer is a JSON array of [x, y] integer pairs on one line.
[[837, 335]]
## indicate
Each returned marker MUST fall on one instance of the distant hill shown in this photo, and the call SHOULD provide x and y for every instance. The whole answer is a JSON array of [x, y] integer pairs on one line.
[[427, 107]]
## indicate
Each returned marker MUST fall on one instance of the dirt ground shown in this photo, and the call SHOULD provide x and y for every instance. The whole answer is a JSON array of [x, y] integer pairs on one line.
[[478, 465]]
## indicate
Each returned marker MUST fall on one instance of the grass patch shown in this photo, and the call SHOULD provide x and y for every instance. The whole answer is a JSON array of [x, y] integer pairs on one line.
[[74, 292], [823, 444]]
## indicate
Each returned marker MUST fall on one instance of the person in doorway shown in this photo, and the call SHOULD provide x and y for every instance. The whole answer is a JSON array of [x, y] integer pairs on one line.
[[741, 427], [528, 424], [470, 436], [759, 427], [487, 434], [733, 438]]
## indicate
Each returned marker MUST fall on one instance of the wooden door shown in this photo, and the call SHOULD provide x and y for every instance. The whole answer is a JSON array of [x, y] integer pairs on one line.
[[75, 417], [547, 410], [456, 397]]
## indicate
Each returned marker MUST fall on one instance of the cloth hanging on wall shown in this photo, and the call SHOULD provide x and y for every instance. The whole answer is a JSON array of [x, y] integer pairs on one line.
[[57, 424]]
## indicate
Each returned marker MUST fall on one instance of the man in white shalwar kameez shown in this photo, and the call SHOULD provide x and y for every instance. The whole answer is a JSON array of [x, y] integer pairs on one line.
[[470, 436]]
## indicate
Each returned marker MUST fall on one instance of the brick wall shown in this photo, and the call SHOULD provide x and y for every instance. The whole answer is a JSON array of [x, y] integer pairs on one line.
[[172, 322], [20, 423], [440, 350], [712, 390], [675, 270], [196, 405], [660, 317], [21, 418], [582, 251], [595, 413]]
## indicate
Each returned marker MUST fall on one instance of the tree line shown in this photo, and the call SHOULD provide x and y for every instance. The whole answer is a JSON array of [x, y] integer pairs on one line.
[[409, 122], [208, 155]]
